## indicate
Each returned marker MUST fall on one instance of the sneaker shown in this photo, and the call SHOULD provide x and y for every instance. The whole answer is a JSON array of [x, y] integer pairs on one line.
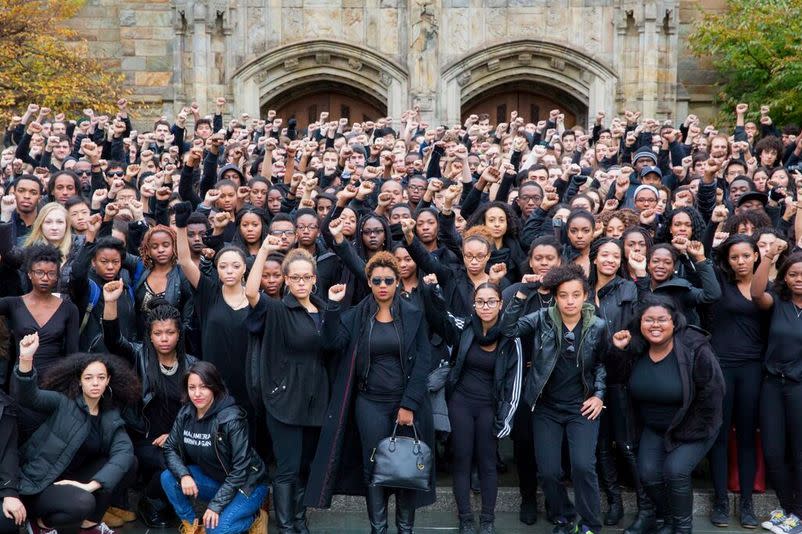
[[563, 526], [720, 514], [582, 529], [32, 527], [776, 518], [791, 525], [100, 528]]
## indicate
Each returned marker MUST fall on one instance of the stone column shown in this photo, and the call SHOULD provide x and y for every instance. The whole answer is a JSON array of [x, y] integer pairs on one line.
[[201, 37]]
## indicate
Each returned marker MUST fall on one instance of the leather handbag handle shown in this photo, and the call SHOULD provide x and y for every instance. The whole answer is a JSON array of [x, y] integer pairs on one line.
[[414, 431]]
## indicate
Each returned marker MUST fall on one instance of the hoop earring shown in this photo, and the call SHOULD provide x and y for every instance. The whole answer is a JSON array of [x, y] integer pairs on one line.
[[111, 392], [314, 288]]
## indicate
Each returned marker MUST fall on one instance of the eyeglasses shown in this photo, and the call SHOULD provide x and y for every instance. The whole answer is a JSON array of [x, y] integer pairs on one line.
[[478, 257], [44, 274], [297, 278], [416, 188], [570, 338], [530, 198], [656, 321], [377, 281], [486, 304], [372, 231], [281, 233], [306, 227]]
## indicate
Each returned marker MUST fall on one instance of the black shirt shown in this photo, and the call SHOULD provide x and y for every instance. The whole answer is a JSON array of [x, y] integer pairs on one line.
[[91, 448], [163, 408], [656, 389], [385, 376], [224, 335], [739, 328], [784, 351], [564, 390], [198, 443], [476, 381]]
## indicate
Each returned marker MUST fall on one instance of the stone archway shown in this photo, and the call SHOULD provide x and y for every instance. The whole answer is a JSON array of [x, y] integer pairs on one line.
[[298, 66], [549, 66]]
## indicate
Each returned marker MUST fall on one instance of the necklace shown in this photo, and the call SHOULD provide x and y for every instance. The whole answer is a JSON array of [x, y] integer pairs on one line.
[[544, 303], [168, 371], [798, 310]]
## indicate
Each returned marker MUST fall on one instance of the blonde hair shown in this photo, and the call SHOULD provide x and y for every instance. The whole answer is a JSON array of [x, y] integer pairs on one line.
[[297, 254], [36, 235]]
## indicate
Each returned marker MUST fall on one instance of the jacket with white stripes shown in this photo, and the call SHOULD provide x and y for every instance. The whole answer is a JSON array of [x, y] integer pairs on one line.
[[508, 374]]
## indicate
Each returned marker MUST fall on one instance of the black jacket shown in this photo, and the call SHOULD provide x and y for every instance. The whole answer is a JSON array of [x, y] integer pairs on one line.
[[49, 451], [9, 453], [618, 301], [507, 372], [228, 427], [685, 294], [286, 370], [178, 293], [703, 387], [135, 354], [337, 466], [546, 327]]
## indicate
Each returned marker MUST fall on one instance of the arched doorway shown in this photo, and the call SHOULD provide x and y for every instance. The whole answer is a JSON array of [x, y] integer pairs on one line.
[[306, 102], [532, 102]]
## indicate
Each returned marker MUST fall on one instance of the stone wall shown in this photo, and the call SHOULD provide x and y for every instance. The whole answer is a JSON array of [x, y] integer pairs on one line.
[[611, 54]]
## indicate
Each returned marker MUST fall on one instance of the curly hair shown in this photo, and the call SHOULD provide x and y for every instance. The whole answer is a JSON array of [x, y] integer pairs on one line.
[[565, 273], [65, 377], [697, 224], [771, 142], [382, 259], [481, 234], [513, 221], [780, 287], [144, 246], [756, 218], [625, 215], [41, 252]]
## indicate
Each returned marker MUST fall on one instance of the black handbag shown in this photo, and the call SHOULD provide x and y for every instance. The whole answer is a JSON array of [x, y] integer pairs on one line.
[[402, 462]]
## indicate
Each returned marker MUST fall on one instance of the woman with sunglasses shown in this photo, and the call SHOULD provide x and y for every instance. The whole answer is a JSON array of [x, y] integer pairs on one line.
[[483, 390], [286, 370], [385, 359], [677, 389], [564, 391]]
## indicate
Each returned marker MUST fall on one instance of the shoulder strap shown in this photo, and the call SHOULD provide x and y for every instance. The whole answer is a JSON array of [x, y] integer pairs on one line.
[[94, 297]]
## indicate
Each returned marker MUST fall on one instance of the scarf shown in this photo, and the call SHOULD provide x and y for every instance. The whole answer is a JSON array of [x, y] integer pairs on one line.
[[485, 339]]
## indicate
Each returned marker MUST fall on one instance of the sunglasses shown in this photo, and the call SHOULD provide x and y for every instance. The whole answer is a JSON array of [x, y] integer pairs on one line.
[[377, 281], [115, 173], [570, 338]]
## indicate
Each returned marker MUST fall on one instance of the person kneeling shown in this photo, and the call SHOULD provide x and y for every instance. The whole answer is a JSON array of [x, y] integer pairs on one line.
[[209, 457]]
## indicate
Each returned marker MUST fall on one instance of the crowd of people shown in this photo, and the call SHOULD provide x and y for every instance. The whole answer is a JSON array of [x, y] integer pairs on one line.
[[214, 310]]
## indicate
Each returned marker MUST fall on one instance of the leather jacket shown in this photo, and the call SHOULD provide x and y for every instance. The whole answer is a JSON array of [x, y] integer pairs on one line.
[[545, 327]]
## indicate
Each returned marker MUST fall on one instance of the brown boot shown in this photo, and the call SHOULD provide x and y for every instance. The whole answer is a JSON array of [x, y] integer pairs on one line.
[[191, 528], [259, 525]]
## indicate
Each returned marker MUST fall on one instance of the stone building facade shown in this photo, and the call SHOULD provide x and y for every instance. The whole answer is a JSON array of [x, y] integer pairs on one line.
[[364, 57]]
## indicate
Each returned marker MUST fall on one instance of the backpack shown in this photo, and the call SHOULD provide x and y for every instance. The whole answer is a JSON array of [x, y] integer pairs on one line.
[[95, 291]]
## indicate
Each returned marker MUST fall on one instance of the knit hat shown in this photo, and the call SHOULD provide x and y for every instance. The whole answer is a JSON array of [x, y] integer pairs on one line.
[[644, 153], [651, 188]]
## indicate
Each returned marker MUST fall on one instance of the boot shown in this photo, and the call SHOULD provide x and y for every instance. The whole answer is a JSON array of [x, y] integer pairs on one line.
[[466, 524], [747, 513], [646, 518], [259, 525], [284, 506], [657, 495], [720, 513], [191, 528], [681, 498], [487, 524], [405, 511], [376, 501], [610, 485], [528, 512], [645, 522], [153, 513], [299, 521]]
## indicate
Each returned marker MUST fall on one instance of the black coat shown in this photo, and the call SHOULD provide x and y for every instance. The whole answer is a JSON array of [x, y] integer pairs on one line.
[[286, 365], [229, 431], [618, 301], [49, 451], [699, 418], [9, 453], [546, 328], [337, 466], [136, 355]]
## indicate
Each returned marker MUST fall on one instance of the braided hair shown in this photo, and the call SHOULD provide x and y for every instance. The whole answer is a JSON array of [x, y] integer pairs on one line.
[[159, 309]]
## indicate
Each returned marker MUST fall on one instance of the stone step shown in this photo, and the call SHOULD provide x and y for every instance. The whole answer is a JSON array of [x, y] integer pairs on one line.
[[509, 500]]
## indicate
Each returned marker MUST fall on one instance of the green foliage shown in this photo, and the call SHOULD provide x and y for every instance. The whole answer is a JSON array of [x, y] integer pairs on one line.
[[756, 45]]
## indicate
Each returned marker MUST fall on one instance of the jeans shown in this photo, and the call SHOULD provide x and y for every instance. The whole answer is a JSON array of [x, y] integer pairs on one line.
[[781, 426], [235, 518], [549, 426], [741, 407]]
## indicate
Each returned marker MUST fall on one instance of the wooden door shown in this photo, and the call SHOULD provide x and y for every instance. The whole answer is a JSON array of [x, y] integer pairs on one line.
[[530, 105], [306, 107]]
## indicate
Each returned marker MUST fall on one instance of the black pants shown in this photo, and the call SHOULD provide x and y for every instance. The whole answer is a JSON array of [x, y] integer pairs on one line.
[[524, 452], [781, 424], [375, 421], [741, 407], [7, 525], [63, 506], [151, 464], [673, 471], [549, 427], [294, 447], [473, 438]]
